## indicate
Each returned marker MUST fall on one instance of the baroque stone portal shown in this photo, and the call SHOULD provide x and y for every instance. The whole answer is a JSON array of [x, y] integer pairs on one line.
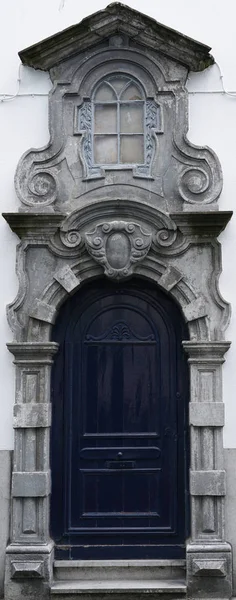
[[150, 208]]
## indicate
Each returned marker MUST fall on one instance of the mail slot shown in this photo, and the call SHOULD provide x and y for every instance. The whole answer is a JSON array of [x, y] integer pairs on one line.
[[120, 464]]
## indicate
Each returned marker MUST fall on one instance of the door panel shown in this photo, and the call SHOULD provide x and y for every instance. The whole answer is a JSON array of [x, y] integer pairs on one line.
[[119, 390]]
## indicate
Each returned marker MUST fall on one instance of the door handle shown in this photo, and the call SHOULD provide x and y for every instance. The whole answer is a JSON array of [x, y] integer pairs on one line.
[[119, 455]]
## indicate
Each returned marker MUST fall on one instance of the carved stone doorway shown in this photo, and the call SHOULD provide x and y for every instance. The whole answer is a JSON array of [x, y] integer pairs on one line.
[[84, 215]]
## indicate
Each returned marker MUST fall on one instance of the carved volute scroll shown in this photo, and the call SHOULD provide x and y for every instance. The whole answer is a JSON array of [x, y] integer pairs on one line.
[[179, 175]]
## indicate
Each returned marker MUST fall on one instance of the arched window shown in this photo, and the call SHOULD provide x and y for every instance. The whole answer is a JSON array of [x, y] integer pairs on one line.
[[118, 122]]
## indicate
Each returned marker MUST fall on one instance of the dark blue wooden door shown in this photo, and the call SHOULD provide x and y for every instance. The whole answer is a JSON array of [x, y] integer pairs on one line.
[[119, 391]]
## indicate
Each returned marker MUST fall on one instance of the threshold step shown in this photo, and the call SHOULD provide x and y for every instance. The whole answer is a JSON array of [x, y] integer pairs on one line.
[[158, 588], [119, 570]]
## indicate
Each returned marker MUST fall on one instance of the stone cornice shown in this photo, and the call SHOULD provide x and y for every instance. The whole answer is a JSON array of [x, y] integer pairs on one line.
[[34, 224], [33, 352], [202, 224], [115, 19], [206, 351], [206, 224]]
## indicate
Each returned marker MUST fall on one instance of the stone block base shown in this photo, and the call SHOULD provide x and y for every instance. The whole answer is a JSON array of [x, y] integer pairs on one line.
[[209, 571], [28, 573]]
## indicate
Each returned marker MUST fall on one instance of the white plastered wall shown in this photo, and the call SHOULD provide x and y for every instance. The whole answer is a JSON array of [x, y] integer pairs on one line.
[[23, 124]]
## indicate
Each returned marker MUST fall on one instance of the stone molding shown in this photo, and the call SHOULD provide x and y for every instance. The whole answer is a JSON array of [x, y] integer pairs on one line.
[[164, 230], [181, 176], [169, 250], [118, 22]]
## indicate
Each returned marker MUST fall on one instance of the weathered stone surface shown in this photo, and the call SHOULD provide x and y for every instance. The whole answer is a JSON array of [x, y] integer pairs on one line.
[[158, 221], [28, 572], [180, 175], [117, 19], [67, 279], [230, 508], [31, 484], [207, 483], [209, 568], [31, 415], [43, 312], [27, 569], [195, 309], [209, 572], [118, 246], [5, 500], [206, 414]]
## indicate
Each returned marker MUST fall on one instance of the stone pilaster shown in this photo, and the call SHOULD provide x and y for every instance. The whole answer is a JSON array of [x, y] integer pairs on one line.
[[30, 553], [209, 569]]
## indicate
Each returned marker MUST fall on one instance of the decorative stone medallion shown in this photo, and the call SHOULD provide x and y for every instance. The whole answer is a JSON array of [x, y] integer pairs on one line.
[[117, 246]]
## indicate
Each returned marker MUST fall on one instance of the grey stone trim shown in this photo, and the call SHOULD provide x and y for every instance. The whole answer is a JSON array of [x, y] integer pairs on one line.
[[5, 508], [207, 483], [230, 520], [26, 485], [209, 559], [27, 569], [61, 213], [31, 481], [195, 310], [170, 278], [201, 224], [32, 353], [191, 180], [34, 225], [28, 572], [206, 414], [33, 362], [43, 312], [209, 571], [117, 17], [31, 415], [67, 278], [38, 549], [208, 568], [204, 352]]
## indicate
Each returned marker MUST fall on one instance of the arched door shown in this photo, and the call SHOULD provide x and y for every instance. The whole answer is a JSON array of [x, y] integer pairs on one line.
[[118, 448]]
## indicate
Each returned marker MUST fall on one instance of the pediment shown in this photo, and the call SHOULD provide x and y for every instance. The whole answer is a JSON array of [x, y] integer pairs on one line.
[[114, 20]]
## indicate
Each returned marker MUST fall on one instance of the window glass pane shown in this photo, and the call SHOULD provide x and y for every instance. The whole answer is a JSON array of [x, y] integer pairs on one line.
[[131, 118], [132, 92], [105, 149], [105, 118], [132, 149], [105, 94]]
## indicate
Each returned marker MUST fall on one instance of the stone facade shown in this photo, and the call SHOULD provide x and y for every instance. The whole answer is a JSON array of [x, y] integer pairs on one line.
[[167, 221]]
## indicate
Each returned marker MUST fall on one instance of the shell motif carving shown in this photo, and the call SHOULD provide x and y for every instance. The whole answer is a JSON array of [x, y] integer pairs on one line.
[[117, 246]]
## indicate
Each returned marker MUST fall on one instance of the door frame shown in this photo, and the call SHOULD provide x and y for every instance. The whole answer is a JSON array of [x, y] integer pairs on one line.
[[173, 261]]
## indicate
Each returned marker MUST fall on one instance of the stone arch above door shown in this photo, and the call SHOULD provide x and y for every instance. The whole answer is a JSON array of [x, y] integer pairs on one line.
[[76, 225]]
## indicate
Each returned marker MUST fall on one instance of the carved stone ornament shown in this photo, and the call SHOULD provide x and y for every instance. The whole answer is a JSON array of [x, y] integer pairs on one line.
[[81, 214], [117, 246]]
